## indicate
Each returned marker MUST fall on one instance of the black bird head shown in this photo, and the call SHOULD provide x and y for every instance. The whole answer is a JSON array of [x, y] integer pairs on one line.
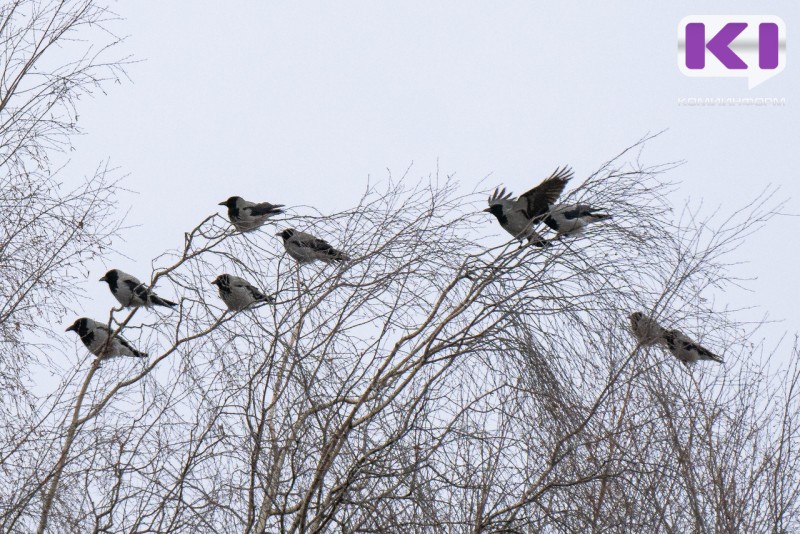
[[111, 277], [286, 234], [231, 202], [79, 327], [497, 211], [636, 316], [222, 280]]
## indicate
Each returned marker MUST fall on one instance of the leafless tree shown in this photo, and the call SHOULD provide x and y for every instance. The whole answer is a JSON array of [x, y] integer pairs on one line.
[[442, 380]]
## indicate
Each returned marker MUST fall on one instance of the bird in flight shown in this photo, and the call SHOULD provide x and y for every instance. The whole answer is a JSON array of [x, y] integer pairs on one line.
[[517, 217], [306, 248], [130, 292], [247, 216], [97, 338]]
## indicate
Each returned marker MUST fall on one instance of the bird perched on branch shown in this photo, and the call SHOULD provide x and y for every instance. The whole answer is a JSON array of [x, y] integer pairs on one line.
[[572, 219], [517, 217], [306, 248], [129, 291], [97, 338], [645, 329], [686, 350], [237, 293], [247, 216]]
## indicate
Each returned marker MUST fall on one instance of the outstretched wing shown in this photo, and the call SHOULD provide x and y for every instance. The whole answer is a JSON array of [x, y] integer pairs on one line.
[[538, 200], [500, 196]]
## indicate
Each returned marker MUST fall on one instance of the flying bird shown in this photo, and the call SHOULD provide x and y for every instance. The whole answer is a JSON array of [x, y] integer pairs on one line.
[[129, 291], [97, 338], [306, 248], [237, 293], [247, 216], [572, 219], [517, 217], [645, 329], [686, 350]]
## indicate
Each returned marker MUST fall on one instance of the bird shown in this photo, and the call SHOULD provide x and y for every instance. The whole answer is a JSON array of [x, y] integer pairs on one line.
[[517, 217], [571, 219], [686, 350], [95, 336], [306, 248], [129, 291], [247, 216], [645, 329], [237, 293]]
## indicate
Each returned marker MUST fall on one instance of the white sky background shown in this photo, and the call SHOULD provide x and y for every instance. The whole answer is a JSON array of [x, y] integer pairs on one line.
[[299, 102]]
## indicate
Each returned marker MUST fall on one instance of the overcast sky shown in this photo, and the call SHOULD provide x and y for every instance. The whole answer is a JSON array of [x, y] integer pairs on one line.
[[300, 102]]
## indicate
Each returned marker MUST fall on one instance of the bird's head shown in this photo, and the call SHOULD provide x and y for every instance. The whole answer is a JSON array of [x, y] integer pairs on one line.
[[110, 277], [286, 234], [636, 316], [495, 209], [79, 326], [221, 280], [231, 202]]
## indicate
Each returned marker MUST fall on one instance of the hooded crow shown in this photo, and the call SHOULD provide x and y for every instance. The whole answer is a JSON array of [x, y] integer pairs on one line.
[[645, 329], [129, 291], [517, 217], [247, 216], [237, 293], [571, 219], [96, 337], [306, 248], [686, 350]]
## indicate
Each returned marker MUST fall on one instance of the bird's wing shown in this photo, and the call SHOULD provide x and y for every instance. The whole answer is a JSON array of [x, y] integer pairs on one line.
[[538, 200], [500, 196], [255, 292], [138, 289], [688, 344], [264, 208]]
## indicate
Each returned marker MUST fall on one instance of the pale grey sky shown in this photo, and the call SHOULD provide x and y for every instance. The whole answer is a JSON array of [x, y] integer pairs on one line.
[[299, 102]]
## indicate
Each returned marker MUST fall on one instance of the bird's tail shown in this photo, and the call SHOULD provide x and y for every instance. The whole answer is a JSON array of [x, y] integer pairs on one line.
[[338, 255], [594, 216], [139, 354], [155, 300]]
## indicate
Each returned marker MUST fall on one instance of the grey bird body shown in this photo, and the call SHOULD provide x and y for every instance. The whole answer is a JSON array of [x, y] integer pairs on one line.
[[247, 216], [306, 248], [518, 217], [645, 329], [686, 350], [129, 291], [237, 293], [95, 336]]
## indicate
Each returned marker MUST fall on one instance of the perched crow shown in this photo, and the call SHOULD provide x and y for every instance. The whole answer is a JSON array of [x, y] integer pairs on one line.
[[96, 335], [306, 248], [646, 330], [247, 216], [517, 217], [237, 293], [686, 350], [571, 219], [129, 291]]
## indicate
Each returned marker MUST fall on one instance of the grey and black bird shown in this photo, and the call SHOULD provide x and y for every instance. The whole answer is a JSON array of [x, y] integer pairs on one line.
[[237, 293], [645, 329], [97, 338], [686, 350], [306, 248], [572, 218], [129, 291], [247, 216], [518, 217]]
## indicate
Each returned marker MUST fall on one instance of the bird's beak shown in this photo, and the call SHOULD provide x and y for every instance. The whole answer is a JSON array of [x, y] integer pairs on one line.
[[279, 233], [71, 328], [487, 210], [222, 204], [103, 279]]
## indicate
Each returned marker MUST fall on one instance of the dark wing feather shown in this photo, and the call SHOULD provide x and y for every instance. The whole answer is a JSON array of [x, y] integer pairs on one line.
[[538, 200], [499, 194], [124, 343], [140, 290], [265, 208]]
